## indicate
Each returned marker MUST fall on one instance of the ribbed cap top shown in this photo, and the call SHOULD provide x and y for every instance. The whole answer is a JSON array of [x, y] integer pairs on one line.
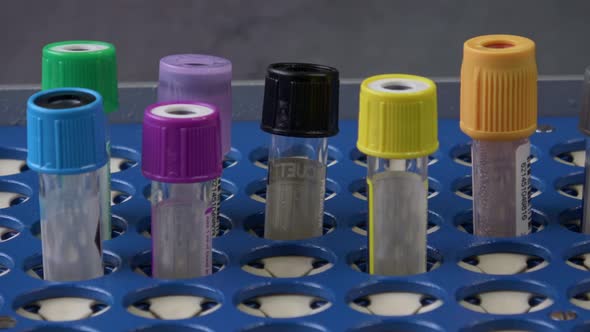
[[202, 78], [301, 100], [181, 142], [397, 117], [499, 88], [584, 124], [85, 64], [66, 131]]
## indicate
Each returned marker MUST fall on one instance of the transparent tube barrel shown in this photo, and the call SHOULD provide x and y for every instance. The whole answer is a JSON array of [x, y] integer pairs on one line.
[[182, 217], [398, 212], [501, 188], [296, 187], [73, 208], [586, 209]]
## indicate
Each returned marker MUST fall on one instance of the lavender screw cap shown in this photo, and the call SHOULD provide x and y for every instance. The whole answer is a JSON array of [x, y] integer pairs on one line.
[[202, 78], [181, 142]]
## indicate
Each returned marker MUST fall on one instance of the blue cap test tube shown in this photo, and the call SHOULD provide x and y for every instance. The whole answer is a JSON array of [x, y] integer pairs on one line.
[[66, 142]]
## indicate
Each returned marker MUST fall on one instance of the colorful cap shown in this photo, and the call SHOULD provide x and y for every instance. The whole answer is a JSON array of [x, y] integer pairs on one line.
[[301, 100], [584, 124], [181, 142], [397, 117], [66, 131], [202, 78], [85, 64], [499, 88]]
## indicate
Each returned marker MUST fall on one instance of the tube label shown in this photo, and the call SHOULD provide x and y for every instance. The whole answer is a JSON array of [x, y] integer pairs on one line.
[[523, 189]]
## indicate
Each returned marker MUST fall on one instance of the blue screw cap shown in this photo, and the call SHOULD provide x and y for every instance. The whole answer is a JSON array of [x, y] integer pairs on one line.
[[66, 131]]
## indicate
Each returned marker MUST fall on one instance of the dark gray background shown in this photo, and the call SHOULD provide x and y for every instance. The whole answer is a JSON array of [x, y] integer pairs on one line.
[[359, 37]]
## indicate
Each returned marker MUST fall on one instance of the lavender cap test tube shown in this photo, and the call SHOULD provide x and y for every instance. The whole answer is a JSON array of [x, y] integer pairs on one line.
[[182, 156]]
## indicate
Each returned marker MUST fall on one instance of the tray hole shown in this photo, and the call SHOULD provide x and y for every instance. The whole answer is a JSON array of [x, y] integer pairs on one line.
[[358, 188], [121, 192], [360, 158], [563, 315], [288, 261], [9, 228], [464, 188], [6, 265], [504, 258], [505, 298], [123, 158], [571, 153], [571, 219], [571, 185], [7, 322], [259, 156], [34, 265], [232, 158], [360, 227], [145, 226], [393, 298], [13, 193], [12, 161], [173, 301], [357, 260], [142, 263], [464, 221], [254, 224], [284, 327], [63, 304], [579, 257], [257, 190], [461, 154]]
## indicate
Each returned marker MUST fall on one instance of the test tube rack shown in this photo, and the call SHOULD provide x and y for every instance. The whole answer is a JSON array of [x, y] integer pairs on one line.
[[555, 251]]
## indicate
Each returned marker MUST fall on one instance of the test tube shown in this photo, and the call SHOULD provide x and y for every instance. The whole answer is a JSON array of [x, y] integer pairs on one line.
[[397, 132], [85, 64], [67, 146], [301, 112], [182, 156], [584, 126], [203, 78], [499, 112]]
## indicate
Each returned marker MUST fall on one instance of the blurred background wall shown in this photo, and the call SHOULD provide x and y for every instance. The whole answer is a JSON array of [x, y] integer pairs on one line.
[[359, 37]]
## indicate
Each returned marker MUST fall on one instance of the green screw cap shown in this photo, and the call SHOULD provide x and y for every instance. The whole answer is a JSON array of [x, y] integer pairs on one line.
[[82, 64]]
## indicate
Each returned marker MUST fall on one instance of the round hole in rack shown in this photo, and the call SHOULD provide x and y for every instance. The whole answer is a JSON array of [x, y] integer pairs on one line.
[[284, 327], [504, 258], [123, 158], [173, 301], [232, 158], [172, 328], [520, 325], [398, 326], [142, 262], [572, 152], [144, 226], [259, 156], [7, 322], [360, 158], [506, 297], [33, 266], [578, 256], [464, 221], [12, 161], [357, 259], [461, 154], [395, 298], [257, 190], [358, 188], [63, 303], [228, 190], [359, 223], [563, 315], [6, 264], [13, 193], [463, 187], [10, 228], [287, 260], [572, 219], [118, 227], [579, 295], [284, 300], [571, 185], [121, 192], [254, 224]]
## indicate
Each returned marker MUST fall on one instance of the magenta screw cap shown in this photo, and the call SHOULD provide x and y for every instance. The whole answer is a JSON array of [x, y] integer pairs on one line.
[[202, 78], [181, 142]]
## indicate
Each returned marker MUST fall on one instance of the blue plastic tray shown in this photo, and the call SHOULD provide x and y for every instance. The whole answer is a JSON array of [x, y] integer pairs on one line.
[[341, 246]]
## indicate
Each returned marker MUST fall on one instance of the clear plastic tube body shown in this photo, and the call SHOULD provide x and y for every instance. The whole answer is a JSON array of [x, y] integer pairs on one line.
[[182, 216], [501, 188], [586, 205], [73, 210], [398, 211], [296, 187]]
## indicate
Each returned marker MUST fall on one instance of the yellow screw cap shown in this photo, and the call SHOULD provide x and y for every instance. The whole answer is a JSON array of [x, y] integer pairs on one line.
[[499, 88], [397, 117]]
